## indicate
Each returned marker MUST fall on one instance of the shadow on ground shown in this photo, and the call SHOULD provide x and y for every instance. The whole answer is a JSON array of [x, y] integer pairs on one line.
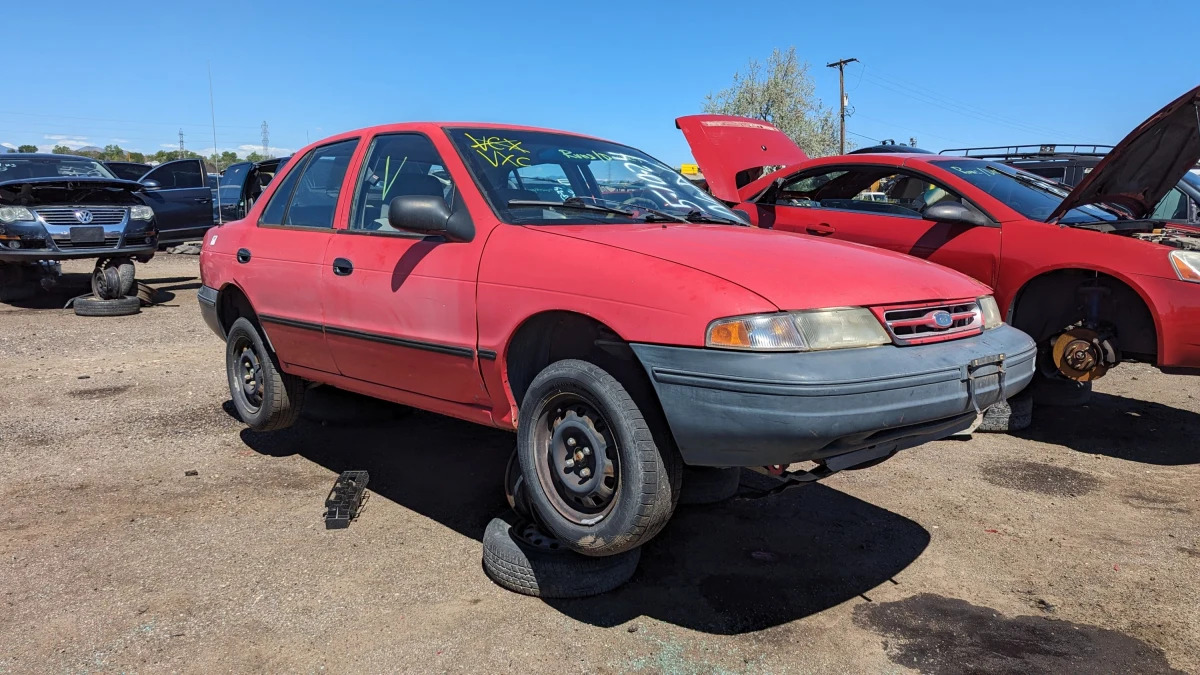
[[731, 568], [1125, 428], [73, 284]]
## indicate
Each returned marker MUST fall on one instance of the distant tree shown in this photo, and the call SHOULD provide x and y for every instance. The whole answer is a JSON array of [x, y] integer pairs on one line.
[[112, 153], [137, 157], [26, 148], [61, 150], [254, 157], [782, 93]]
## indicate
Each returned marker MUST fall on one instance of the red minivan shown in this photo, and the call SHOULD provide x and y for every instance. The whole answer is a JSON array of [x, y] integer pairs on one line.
[[583, 294]]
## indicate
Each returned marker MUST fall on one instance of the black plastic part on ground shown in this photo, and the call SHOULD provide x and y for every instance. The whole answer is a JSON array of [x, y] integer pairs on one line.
[[345, 499]]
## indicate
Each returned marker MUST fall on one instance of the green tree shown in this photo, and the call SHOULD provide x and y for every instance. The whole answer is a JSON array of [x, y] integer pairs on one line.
[[27, 148], [113, 153], [61, 150], [254, 157], [780, 92], [137, 157]]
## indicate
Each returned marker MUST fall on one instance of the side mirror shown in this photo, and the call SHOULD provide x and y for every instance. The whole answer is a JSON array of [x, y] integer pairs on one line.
[[428, 214], [151, 184], [953, 213]]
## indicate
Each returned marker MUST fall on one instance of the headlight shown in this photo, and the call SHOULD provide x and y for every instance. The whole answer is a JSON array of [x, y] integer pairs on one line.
[[141, 212], [798, 331], [13, 214], [1187, 265], [991, 312]]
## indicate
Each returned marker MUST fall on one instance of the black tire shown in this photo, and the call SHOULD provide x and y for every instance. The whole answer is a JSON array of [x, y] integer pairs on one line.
[[709, 484], [113, 278], [92, 306], [268, 399], [633, 491], [514, 489], [338, 407], [520, 556], [1015, 414], [1053, 391]]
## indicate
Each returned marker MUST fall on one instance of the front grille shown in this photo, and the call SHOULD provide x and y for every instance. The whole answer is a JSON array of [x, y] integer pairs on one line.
[[918, 324], [101, 215], [109, 242]]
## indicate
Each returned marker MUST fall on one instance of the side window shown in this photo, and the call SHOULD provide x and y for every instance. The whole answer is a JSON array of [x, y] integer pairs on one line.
[[871, 189], [273, 214], [397, 165], [1172, 207], [179, 174], [316, 195]]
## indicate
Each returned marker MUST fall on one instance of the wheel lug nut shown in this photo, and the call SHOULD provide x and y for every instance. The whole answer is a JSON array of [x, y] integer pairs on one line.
[[571, 442], [570, 463], [586, 451], [585, 472]]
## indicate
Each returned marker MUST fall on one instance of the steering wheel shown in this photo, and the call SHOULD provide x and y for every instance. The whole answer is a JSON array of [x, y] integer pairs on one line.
[[640, 202]]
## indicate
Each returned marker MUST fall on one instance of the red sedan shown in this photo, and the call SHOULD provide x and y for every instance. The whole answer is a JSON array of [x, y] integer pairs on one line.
[[1086, 273]]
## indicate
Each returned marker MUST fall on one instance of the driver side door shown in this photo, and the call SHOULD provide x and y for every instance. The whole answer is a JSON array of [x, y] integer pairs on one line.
[[882, 206], [182, 200]]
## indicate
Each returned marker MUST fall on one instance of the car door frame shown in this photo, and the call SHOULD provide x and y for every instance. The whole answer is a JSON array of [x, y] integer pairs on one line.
[[180, 213]]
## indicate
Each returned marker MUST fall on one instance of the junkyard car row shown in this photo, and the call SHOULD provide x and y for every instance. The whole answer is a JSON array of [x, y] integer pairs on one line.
[[627, 324]]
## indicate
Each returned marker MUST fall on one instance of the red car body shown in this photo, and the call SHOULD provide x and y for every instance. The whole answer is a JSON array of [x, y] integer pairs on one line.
[[1037, 266], [739, 346]]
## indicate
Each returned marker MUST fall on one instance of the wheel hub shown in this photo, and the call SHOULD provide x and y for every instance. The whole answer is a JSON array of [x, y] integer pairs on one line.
[[578, 461], [577, 452], [1083, 355], [250, 371]]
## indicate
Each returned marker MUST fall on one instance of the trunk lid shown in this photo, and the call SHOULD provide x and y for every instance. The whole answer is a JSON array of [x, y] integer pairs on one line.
[[1146, 164], [791, 271], [729, 149]]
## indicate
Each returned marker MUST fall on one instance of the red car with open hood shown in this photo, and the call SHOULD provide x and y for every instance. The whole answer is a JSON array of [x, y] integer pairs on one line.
[[585, 295], [1087, 273]]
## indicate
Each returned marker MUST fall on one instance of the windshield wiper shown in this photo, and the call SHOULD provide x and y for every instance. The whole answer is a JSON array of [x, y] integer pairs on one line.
[[696, 216], [569, 203]]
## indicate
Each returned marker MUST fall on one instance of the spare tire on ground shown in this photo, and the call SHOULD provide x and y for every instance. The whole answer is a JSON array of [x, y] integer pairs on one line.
[[709, 484], [93, 306], [329, 405], [521, 557]]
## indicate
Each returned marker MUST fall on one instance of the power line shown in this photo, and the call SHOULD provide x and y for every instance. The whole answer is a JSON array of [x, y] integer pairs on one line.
[[266, 141], [841, 66], [181, 150]]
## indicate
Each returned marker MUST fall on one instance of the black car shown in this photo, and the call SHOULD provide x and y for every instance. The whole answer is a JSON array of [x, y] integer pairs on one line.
[[1068, 164], [240, 185], [128, 170]]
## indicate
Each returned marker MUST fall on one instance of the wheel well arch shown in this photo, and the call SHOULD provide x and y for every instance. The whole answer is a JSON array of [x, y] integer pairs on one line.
[[233, 303], [1048, 302]]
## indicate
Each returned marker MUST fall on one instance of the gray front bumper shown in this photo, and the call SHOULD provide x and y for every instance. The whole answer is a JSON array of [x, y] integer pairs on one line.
[[729, 408]]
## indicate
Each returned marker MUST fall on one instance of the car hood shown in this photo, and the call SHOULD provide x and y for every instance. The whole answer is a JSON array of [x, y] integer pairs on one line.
[[1146, 164], [724, 146], [59, 190], [789, 270]]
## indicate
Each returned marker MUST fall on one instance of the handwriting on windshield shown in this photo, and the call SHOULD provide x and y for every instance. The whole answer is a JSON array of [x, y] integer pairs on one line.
[[594, 156], [499, 151]]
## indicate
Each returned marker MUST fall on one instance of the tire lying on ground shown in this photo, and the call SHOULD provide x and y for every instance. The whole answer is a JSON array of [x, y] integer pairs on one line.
[[709, 484], [1015, 414], [93, 306], [521, 557]]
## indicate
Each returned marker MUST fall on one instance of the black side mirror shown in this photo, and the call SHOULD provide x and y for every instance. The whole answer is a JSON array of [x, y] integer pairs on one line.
[[151, 184], [953, 213], [428, 214]]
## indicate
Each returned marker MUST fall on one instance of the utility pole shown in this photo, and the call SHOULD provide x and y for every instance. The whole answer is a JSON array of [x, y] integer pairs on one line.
[[266, 141], [181, 151], [841, 66]]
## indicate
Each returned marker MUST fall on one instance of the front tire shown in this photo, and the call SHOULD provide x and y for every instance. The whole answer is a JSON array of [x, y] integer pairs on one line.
[[266, 399], [593, 473]]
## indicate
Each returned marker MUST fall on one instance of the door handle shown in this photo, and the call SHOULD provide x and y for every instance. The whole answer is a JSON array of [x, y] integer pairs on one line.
[[342, 267], [203, 200], [820, 229], [243, 255]]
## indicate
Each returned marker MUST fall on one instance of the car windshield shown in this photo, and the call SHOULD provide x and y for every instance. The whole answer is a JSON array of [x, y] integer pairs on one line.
[[19, 168], [578, 180], [1029, 195]]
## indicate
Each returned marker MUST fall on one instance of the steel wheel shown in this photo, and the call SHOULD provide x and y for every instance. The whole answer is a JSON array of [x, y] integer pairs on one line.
[[579, 464], [250, 373]]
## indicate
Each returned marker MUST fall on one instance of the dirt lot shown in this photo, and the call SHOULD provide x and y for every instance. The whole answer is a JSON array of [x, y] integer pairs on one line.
[[1074, 548]]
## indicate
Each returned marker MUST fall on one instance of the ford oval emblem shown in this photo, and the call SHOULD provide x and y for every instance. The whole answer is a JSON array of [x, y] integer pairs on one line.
[[943, 319], [84, 216]]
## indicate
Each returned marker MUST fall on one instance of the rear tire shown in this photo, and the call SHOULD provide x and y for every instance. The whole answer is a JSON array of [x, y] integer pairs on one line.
[[91, 306], [266, 398], [593, 473], [523, 558]]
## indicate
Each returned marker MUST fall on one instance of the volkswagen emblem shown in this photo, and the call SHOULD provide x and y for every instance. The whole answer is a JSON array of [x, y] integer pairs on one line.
[[84, 216], [943, 319]]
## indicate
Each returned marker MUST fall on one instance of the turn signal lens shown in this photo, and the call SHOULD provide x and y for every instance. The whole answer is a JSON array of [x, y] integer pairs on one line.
[[765, 332], [13, 214], [991, 312], [1187, 265]]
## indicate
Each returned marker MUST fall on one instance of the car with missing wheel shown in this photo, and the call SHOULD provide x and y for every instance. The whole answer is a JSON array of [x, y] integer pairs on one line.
[[1094, 274], [61, 207], [586, 296]]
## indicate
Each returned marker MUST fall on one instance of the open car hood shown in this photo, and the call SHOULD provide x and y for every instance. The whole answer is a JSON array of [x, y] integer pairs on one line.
[[725, 146], [71, 183], [1146, 164]]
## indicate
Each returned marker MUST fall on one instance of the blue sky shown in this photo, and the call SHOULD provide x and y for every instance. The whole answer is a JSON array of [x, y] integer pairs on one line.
[[949, 74]]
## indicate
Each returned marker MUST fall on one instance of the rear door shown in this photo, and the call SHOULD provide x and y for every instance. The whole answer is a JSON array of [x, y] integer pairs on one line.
[[181, 200], [882, 206], [400, 306], [733, 151], [281, 262]]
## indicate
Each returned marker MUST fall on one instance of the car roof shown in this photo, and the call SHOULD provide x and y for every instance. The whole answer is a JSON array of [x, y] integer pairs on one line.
[[43, 155], [430, 125]]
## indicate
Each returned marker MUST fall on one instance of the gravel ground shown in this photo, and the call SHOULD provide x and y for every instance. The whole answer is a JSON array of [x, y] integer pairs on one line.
[[1071, 548]]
